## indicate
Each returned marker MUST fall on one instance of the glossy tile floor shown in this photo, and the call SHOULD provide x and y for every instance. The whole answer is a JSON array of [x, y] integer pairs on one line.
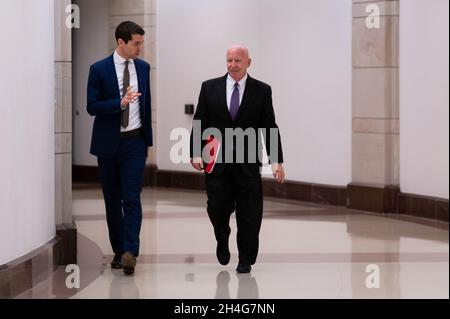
[[306, 251]]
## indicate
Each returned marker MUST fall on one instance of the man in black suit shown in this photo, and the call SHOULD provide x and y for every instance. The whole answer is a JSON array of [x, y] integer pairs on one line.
[[239, 104]]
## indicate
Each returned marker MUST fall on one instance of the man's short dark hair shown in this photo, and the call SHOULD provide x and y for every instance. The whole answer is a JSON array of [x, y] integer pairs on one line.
[[126, 29]]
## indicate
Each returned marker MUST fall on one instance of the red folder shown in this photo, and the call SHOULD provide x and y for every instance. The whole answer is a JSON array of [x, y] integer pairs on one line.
[[212, 148]]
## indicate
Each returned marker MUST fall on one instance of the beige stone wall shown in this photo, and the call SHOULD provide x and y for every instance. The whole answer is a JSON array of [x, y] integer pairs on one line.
[[63, 115], [375, 97]]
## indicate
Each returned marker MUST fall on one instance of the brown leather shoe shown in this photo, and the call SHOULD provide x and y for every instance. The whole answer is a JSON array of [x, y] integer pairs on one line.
[[128, 263]]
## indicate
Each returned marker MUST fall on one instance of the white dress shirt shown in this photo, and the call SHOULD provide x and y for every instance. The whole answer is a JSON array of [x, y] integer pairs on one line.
[[135, 114], [230, 89]]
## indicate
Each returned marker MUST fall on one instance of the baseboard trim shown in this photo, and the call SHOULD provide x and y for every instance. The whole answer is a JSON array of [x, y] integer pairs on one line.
[[85, 174], [423, 206], [66, 250], [27, 271], [373, 198], [90, 174], [184, 180]]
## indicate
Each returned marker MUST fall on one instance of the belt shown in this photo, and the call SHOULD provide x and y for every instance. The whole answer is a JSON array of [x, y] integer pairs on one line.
[[132, 133]]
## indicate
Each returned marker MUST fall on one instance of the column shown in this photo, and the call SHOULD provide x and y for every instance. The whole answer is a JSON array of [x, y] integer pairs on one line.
[[375, 106], [63, 135]]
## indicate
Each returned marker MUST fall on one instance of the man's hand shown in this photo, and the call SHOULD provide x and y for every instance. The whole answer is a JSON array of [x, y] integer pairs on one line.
[[278, 172], [130, 97], [197, 163]]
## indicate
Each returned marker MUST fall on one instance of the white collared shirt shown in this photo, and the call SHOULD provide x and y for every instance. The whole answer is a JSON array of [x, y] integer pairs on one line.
[[135, 116], [230, 89]]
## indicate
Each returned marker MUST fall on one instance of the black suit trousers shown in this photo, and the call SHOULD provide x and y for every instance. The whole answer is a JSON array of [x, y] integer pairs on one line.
[[235, 191]]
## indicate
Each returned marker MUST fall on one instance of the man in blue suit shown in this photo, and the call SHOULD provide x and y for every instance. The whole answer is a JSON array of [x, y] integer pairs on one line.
[[118, 95]]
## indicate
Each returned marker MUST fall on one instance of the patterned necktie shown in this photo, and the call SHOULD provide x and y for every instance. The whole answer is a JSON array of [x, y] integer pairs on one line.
[[234, 104], [126, 84]]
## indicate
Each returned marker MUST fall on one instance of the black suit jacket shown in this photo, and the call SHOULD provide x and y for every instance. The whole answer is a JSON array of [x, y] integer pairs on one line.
[[255, 112]]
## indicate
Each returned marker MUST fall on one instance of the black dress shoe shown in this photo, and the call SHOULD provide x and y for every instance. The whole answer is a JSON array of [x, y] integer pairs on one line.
[[223, 253], [243, 268], [116, 262]]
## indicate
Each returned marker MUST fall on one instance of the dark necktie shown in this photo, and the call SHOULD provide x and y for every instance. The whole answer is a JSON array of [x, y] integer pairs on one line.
[[234, 104], [126, 84]]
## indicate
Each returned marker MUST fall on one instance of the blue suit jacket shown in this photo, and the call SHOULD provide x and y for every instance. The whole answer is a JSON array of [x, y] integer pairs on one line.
[[103, 102]]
